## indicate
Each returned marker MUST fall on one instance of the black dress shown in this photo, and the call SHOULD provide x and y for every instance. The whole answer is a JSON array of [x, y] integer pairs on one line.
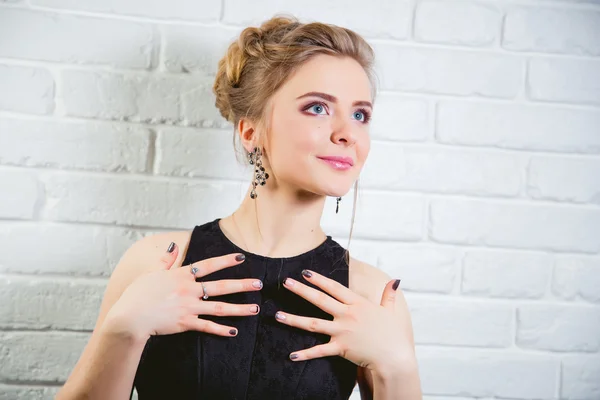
[[255, 364]]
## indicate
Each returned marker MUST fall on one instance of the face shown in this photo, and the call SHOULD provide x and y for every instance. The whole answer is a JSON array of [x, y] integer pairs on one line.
[[319, 127]]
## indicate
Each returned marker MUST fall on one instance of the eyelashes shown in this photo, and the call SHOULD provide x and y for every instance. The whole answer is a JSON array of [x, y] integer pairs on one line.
[[366, 113]]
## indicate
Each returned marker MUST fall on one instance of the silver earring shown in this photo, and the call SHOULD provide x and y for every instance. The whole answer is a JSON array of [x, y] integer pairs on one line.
[[260, 176], [337, 205]]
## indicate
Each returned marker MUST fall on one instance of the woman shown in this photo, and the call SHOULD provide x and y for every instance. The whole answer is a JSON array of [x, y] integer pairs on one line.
[[263, 304]]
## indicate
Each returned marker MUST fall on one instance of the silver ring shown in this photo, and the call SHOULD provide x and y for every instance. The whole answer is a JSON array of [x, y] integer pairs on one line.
[[205, 296], [193, 270]]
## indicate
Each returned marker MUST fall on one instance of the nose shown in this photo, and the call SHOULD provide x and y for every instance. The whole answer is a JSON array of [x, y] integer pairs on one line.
[[342, 132]]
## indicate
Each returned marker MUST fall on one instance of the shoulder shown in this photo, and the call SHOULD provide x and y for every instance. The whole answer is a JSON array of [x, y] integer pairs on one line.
[[367, 280], [144, 253]]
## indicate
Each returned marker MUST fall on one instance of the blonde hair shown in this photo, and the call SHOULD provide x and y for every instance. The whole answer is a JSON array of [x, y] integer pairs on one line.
[[260, 61]]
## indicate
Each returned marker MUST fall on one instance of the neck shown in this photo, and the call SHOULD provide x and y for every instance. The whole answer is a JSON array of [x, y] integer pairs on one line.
[[277, 223]]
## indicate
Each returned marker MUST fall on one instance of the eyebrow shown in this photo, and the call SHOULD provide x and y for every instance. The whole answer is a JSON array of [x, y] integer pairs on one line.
[[333, 99]]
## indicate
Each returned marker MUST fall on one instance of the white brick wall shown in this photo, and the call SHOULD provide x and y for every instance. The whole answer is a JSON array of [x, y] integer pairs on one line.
[[482, 192]]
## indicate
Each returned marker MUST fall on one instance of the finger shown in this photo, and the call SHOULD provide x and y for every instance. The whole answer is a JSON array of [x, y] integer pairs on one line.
[[222, 309], [307, 323], [388, 298], [210, 265], [202, 325], [228, 286], [168, 258], [321, 350], [334, 288], [318, 298]]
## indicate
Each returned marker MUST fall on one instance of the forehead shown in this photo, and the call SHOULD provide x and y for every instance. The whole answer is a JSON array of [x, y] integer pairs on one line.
[[342, 77]]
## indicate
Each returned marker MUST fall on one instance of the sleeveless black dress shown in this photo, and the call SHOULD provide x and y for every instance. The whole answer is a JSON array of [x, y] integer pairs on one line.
[[255, 364]]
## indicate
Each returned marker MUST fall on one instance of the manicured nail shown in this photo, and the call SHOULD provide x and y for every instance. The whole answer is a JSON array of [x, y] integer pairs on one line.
[[254, 309], [396, 284], [171, 247], [240, 257], [257, 284], [288, 282], [279, 316], [293, 356], [233, 332], [306, 273]]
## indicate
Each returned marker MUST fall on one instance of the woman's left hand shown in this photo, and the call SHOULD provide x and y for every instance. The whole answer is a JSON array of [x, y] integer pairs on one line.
[[368, 334]]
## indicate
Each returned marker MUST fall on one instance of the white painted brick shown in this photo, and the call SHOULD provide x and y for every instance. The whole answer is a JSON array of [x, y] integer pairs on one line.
[[504, 274], [515, 126], [26, 89], [40, 356], [157, 98], [421, 268], [441, 170], [580, 378], [524, 226], [74, 145], [390, 216], [483, 373], [401, 119], [457, 72], [17, 392], [196, 49], [206, 11], [75, 39], [577, 277], [452, 322], [49, 303], [21, 192], [199, 152], [564, 80], [67, 249], [381, 18], [552, 30], [558, 328], [134, 201], [457, 22], [564, 179]]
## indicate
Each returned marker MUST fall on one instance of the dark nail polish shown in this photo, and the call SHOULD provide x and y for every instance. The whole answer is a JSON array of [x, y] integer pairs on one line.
[[240, 257], [396, 284], [233, 331], [306, 273], [293, 356], [171, 247]]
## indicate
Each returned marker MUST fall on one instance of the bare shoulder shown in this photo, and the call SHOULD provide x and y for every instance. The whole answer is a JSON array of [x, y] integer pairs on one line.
[[367, 280]]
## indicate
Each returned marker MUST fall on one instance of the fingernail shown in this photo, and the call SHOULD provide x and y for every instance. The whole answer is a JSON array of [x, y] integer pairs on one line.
[[293, 356], [288, 282], [171, 247], [279, 316], [306, 273], [396, 284], [233, 331], [240, 257], [254, 309], [257, 284]]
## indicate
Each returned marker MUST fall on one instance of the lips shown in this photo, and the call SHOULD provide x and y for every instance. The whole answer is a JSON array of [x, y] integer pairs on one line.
[[344, 160]]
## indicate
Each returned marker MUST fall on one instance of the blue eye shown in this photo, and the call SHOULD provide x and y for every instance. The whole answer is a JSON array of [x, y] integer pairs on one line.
[[317, 108], [359, 116]]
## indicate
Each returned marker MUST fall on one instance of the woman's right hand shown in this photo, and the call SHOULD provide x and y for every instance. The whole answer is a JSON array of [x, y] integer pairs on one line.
[[169, 300]]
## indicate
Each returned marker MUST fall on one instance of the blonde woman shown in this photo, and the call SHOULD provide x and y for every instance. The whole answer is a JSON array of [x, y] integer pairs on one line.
[[262, 304]]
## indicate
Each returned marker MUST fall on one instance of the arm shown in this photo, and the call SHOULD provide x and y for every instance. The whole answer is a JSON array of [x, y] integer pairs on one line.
[[107, 366], [398, 379]]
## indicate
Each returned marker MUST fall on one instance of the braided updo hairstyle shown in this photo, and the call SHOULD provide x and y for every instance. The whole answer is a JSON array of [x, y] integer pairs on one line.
[[262, 58]]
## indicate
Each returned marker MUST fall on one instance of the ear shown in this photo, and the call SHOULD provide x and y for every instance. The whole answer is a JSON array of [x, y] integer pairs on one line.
[[248, 134]]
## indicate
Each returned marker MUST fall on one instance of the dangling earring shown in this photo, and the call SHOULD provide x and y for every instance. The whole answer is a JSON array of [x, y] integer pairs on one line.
[[337, 206], [260, 176]]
